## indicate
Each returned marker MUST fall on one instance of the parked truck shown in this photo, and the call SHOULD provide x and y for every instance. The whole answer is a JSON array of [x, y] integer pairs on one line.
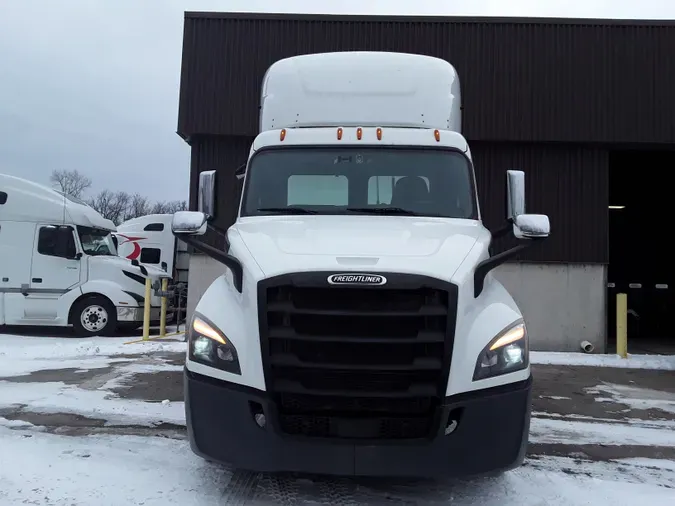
[[359, 329], [148, 240], [59, 265]]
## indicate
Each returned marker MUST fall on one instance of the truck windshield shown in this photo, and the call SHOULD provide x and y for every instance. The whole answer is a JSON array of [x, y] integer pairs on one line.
[[353, 180], [96, 241]]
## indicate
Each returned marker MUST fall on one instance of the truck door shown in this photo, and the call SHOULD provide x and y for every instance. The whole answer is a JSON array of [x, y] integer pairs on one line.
[[55, 270]]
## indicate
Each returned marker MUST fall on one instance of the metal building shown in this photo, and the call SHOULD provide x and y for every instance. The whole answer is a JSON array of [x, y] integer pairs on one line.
[[552, 97]]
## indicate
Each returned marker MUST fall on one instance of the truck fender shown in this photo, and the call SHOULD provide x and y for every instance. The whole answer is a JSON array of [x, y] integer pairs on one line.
[[111, 291], [483, 320], [236, 316]]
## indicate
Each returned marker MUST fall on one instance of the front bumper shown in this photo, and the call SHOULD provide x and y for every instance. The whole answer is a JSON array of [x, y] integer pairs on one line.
[[135, 314], [491, 436]]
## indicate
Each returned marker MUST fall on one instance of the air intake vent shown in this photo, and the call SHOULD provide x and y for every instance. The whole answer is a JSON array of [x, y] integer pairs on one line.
[[357, 362]]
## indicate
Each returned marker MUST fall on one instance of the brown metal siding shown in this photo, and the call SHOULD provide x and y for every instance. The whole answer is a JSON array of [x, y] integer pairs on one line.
[[224, 154], [581, 82], [569, 183]]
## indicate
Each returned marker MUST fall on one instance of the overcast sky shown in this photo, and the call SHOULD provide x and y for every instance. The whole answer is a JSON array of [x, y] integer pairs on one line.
[[92, 85]]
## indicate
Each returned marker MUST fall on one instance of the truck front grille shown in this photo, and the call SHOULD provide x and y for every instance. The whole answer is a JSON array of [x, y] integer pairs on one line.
[[357, 362]]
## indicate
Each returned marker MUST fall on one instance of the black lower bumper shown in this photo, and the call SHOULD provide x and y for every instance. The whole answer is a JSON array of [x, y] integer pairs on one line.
[[491, 436]]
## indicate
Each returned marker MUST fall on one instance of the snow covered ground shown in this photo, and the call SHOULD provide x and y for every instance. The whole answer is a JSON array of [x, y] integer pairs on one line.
[[124, 470], [654, 362], [84, 422]]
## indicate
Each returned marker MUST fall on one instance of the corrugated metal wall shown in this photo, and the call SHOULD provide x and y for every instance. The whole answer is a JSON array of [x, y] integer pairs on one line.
[[521, 80], [567, 182]]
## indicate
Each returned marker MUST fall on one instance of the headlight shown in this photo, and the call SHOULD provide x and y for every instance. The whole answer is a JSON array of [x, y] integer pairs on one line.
[[209, 346], [506, 353]]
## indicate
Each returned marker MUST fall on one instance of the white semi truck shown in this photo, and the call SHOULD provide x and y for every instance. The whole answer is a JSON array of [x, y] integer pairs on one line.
[[59, 266], [359, 329], [148, 240]]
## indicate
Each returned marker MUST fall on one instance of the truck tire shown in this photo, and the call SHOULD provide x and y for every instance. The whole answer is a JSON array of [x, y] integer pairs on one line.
[[94, 316]]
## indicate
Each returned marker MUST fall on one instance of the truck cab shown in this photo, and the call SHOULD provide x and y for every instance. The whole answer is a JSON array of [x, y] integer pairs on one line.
[[359, 329], [59, 264], [148, 239]]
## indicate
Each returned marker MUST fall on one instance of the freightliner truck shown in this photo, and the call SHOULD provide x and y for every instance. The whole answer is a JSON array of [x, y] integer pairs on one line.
[[358, 328]]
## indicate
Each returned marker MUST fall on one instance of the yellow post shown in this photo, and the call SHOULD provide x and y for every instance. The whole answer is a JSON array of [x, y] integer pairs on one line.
[[146, 309], [162, 314], [622, 324]]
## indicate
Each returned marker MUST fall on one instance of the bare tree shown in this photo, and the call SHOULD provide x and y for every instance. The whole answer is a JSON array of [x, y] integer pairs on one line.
[[138, 206], [169, 207], [112, 205], [70, 182]]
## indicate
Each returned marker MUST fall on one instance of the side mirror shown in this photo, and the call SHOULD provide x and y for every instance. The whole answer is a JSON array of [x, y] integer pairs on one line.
[[515, 194], [189, 223], [206, 196], [531, 226]]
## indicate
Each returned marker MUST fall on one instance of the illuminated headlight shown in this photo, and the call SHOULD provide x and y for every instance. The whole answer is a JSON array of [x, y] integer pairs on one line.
[[506, 353], [209, 346]]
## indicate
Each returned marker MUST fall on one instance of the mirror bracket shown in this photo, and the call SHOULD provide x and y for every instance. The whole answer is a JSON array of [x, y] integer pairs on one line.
[[222, 233], [228, 261], [501, 232], [489, 264]]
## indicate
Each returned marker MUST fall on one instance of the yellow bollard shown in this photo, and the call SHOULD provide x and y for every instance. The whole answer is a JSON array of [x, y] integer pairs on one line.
[[162, 314], [622, 325], [146, 309]]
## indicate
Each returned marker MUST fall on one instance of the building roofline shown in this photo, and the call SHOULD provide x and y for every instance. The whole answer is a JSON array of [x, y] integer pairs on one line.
[[429, 19]]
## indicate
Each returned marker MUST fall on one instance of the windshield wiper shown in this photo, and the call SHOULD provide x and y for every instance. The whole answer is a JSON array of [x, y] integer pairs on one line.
[[383, 210], [286, 210]]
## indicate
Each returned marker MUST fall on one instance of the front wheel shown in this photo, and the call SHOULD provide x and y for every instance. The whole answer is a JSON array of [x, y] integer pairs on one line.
[[94, 316]]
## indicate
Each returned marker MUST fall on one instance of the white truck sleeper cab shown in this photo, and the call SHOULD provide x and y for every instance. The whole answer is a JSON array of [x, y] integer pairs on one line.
[[148, 240], [59, 267], [358, 329]]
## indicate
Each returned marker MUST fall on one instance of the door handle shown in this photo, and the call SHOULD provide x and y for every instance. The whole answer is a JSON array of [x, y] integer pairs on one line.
[[36, 280]]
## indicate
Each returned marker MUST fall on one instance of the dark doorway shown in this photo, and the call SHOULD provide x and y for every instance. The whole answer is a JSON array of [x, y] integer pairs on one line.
[[640, 259]]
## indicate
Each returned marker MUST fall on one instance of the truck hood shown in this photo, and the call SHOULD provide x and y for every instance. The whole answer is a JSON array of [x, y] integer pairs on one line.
[[115, 262], [384, 243], [119, 270]]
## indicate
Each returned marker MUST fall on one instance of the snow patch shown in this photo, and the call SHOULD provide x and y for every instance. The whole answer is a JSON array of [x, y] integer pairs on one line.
[[655, 424], [658, 362], [14, 347], [126, 373], [649, 463], [23, 366], [552, 431], [58, 397], [15, 424], [636, 397]]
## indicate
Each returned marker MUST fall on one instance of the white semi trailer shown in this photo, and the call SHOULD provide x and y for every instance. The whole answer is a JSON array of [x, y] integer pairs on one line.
[[359, 329]]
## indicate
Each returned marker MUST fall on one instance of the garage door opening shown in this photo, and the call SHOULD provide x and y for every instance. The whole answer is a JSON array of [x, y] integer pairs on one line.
[[641, 203]]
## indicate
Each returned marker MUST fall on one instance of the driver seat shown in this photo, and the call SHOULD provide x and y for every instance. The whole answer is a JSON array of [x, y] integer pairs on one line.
[[409, 191]]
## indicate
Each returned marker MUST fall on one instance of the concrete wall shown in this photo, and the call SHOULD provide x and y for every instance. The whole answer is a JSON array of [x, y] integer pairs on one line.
[[203, 271], [563, 304]]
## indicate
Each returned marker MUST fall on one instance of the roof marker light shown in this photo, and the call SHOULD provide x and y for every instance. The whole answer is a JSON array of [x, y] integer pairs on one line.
[[437, 135], [359, 133], [282, 134], [379, 134], [339, 134]]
